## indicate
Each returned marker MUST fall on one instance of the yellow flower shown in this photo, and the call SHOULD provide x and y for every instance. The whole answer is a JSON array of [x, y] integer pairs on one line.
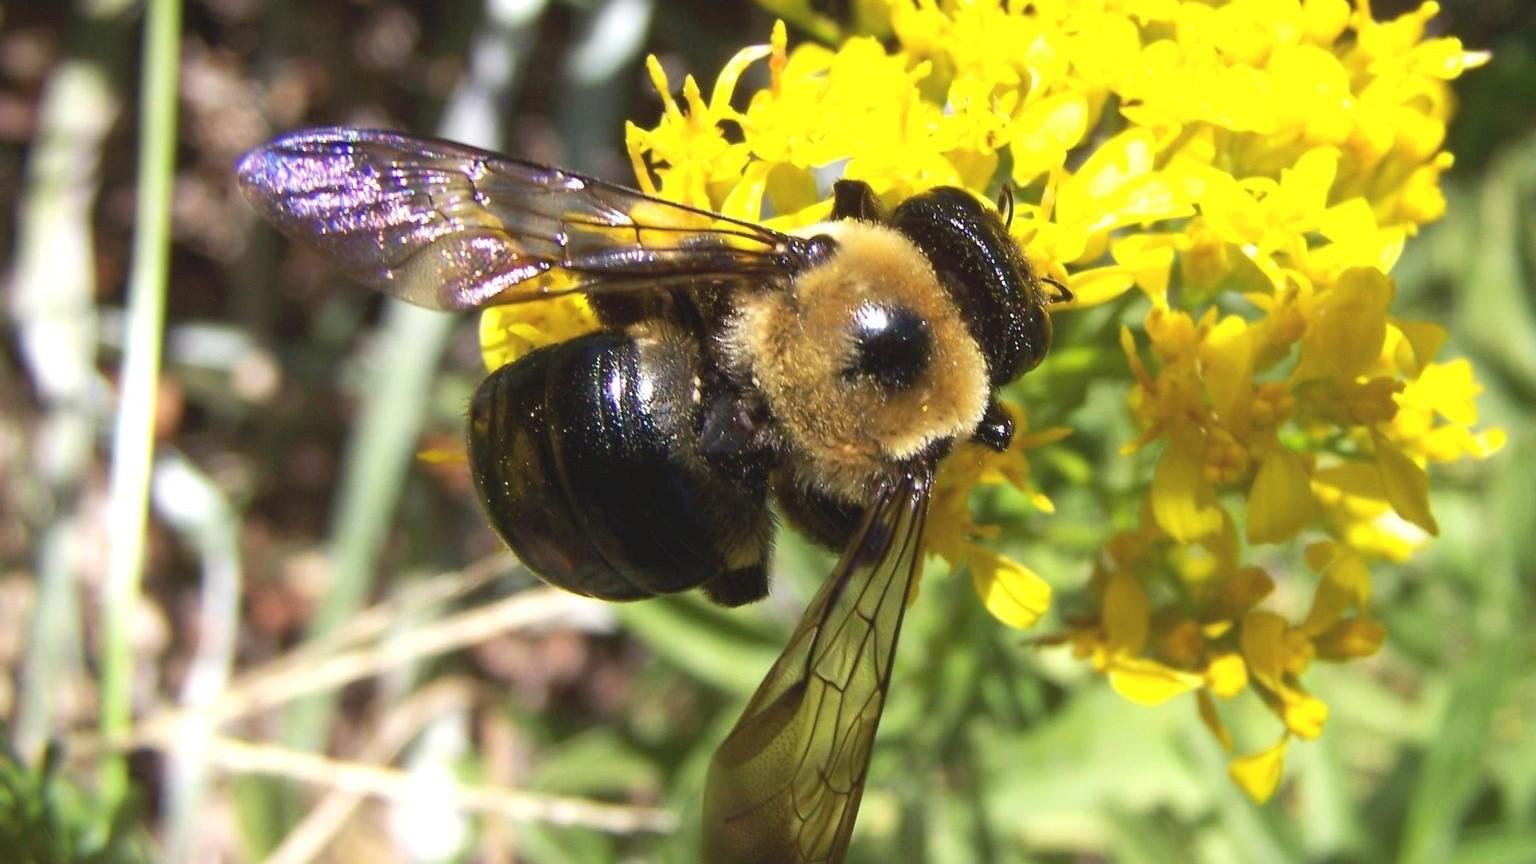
[[1015, 594], [1254, 168], [1259, 773], [509, 332]]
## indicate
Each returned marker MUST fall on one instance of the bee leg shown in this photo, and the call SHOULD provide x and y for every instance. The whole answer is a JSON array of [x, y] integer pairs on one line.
[[729, 438], [725, 431], [995, 429], [744, 539], [738, 587], [853, 199]]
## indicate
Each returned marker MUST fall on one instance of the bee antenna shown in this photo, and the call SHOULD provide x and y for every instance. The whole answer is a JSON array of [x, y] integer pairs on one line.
[[1005, 204], [1063, 293]]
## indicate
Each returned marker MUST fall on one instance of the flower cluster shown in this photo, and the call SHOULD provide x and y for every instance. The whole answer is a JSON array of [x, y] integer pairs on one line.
[[1251, 169]]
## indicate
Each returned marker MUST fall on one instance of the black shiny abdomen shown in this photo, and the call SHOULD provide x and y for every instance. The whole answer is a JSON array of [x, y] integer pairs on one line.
[[585, 456]]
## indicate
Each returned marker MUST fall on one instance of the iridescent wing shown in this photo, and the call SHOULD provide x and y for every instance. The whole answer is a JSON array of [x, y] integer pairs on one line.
[[785, 785], [448, 226]]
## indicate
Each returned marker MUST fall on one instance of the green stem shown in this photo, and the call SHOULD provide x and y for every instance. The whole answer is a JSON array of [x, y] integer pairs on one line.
[[133, 433]]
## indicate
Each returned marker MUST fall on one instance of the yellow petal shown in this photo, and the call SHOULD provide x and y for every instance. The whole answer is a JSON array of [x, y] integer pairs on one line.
[[1013, 593], [1324, 20], [1105, 176], [1183, 502], [1148, 682], [1344, 588], [1406, 485], [1355, 488], [1048, 128], [1149, 257], [1347, 325], [1322, 553], [1133, 359], [1105, 49], [1304, 187], [508, 332], [731, 72], [663, 86], [1347, 640], [1421, 341], [1259, 773], [1280, 502], [1421, 199], [745, 200], [791, 189], [1229, 210], [1226, 360], [1263, 644], [1449, 389], [1304, 714], [1126, 613], [1097, 285], [1299, 652], [1226, 675], [636, 142], [1490, 442]]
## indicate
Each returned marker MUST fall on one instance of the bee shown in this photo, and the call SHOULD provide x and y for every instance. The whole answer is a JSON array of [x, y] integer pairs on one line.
[[736, 368]]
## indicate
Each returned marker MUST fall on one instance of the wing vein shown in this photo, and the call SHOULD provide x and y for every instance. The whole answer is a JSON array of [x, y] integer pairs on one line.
[[787, 782]]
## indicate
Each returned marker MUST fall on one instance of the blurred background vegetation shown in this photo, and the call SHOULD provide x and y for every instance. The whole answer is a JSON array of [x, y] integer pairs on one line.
[[359, 643]]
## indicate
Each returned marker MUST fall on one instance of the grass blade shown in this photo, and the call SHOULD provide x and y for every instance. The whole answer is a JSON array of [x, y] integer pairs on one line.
[[133, 435]]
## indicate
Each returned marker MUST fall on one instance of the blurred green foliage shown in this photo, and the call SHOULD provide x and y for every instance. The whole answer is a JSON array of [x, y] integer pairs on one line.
[[44, 819]]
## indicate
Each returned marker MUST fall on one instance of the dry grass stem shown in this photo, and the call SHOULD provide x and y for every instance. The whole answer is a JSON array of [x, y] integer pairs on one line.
[[376, 620], [243, 757], [528, 609], [310, 837], [282, 680]]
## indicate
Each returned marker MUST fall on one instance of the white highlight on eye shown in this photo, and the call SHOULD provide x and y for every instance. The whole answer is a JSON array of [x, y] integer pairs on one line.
[[872, 318]]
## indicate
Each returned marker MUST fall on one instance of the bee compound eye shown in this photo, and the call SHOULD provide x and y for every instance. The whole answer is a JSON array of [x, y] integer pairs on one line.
[[891, 344], [821, 247]]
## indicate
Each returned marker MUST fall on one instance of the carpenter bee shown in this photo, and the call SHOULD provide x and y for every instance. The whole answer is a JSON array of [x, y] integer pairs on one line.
[[825, 371]]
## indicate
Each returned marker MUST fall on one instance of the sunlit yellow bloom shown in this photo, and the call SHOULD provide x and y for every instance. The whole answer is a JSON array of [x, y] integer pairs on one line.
[[1259, 773], [1436, 412], [509, 332], [1253, 168], [1015, 594]]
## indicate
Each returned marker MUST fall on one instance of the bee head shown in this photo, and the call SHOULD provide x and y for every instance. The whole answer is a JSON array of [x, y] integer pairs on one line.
[[985, 273], [864, 360]]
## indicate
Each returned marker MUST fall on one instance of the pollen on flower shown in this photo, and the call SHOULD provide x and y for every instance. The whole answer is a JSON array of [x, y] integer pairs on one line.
[[509, 332], [1254, 170]]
